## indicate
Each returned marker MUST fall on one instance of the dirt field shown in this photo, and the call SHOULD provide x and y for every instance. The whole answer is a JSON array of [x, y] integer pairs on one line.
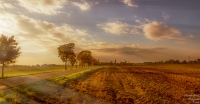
[[145, 84], [139, 84]]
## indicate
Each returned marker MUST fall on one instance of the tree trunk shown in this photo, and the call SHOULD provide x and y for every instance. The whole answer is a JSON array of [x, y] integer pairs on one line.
[[65, 65], [3, 70]]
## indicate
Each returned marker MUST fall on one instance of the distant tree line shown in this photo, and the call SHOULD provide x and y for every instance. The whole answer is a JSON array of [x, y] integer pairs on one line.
[[83, 58], [115, 63], [172, 61]]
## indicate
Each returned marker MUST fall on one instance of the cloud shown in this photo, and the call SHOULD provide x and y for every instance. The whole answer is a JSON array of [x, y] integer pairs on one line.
[[49, 7], [158, 31], [85, 5], [150, 29], [104, 49], [129, 3], [165, 16], [4, 5], [119, 28], [69, 14], [7, 21], [39, 32], [190, 36]]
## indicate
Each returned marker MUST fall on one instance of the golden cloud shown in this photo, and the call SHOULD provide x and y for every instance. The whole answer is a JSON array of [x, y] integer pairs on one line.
[[119, 28], [129, 3], [4, 5], [158, 31], [48, 7]]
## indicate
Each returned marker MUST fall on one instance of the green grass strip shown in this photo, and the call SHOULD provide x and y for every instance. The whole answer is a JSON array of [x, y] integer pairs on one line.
[[23, 94], [62, 79]]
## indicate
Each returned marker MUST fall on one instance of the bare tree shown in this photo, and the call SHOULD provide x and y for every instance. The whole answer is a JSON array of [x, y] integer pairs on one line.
[[66, 52], [8, 51]]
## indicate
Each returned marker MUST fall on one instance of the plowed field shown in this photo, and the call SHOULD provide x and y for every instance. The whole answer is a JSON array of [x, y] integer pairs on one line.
[[144, 84], [141, 85]]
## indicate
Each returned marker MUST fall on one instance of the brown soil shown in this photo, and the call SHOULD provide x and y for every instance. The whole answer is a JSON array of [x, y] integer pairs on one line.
[[128, 85], [119, 85]]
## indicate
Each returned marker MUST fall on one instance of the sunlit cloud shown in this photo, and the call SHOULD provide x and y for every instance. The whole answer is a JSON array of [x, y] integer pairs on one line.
[[39, 36], [132, 50], [190, 36], [129, 3], [119, 28], [4, 5], [49, 7], [85, 5], [158, 31], [7, 20]]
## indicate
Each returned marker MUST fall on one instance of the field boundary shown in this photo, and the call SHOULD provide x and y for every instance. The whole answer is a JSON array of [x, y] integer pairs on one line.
[[21, 80]]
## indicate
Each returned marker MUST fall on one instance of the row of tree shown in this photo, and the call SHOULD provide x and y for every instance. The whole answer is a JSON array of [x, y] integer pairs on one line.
[[171, 61], [67, 54], [9, 52]]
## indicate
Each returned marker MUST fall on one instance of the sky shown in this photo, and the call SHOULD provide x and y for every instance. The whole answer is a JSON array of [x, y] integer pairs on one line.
[[126, 30]]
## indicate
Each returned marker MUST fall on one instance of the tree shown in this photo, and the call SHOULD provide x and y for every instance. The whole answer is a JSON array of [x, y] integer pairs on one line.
[[66, 52], [72, 60], [198, 60], [84, 57], [111, 63], [8, 51], [184, 62]]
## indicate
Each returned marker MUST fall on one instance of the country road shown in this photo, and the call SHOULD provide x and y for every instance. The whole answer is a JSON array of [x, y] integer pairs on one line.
[[21, 80]]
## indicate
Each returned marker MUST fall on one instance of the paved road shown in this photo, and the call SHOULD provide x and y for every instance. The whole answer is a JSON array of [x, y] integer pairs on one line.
[[16, 81]]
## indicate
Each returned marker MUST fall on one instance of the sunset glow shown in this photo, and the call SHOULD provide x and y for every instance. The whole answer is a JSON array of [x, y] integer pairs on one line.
[[131, 30]]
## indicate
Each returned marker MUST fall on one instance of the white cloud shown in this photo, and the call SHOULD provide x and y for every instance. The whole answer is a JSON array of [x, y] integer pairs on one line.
[[119, 28], [48, 7], [165, 16], [4, 5], [39, 32], [129, 3], [158, 31], [7, 21], [35, 36], [85, 5]]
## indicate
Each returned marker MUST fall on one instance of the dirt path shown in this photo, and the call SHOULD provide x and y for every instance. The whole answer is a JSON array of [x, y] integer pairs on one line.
[[21, 80]]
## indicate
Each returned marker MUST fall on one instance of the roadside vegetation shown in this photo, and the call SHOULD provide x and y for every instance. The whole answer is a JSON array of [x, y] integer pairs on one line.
[[140, 84], [46, 91], [20, 71]]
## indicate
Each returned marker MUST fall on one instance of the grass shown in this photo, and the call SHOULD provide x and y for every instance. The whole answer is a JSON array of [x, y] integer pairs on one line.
[[38, 91], [20, 71], [154, 84]]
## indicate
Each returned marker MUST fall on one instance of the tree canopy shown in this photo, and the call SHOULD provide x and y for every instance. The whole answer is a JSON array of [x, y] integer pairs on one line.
[[66, 52], [84, 57], [8, 51]]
